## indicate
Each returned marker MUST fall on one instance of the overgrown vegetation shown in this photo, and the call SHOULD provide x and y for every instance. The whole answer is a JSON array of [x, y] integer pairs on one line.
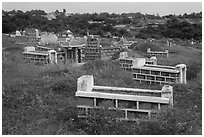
[[173, 29], [41, 99]]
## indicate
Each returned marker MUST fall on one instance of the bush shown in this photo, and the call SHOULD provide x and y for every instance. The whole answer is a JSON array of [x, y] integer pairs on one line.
[[174, 121], [103, 122]]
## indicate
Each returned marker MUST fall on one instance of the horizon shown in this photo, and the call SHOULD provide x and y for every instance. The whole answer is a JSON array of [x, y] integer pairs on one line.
[[161, 8]]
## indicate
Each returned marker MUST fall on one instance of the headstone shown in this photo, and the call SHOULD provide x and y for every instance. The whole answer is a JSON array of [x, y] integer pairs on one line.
[[167, 92], [28, 49], [85, 83]]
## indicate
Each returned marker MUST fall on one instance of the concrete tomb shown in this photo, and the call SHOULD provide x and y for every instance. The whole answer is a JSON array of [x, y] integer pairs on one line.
[[159, 73], [147, 70], [131, 103], [42, 57], [92, 49], [127, 62], [158, 54]]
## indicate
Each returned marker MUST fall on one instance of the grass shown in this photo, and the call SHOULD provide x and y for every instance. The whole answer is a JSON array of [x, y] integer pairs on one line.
[[179, 54], [41, 99]]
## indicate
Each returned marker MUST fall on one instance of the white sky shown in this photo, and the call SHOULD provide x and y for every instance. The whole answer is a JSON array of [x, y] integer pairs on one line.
[[162, 8]]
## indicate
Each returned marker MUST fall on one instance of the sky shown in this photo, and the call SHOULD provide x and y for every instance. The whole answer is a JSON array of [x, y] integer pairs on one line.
[[162, 8]]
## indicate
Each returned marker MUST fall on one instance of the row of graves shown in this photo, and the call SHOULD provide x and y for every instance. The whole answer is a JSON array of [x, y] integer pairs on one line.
[[49, 48], [147, 69], [132, 104], [128, 103], [51, 51]]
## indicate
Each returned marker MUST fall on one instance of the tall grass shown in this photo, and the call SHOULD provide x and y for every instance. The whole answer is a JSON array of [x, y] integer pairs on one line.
[[41, 99]]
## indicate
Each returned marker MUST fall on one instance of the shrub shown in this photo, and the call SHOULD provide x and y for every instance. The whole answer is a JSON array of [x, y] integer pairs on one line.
[[174, 121]]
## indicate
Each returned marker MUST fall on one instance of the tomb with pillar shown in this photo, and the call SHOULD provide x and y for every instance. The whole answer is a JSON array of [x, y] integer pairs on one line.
[[158, 73], [129, 103], [147, 70]]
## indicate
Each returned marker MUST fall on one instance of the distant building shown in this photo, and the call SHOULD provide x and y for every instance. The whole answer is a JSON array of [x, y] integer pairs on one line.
[[51, 16], [66, 34], [95, 22]]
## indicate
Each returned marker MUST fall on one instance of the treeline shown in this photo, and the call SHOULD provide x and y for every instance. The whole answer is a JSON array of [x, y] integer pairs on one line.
[[79, 23], [173, 29]]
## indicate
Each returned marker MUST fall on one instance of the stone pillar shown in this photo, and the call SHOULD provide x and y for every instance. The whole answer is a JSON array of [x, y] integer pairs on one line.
[[167, 92], [72, 54], [94, 102], [154, 59], [138, 105], [148, 50], [170, 44], [116, 103], [79, 55], [37, 33], [167, 53], [126, 114], [85, 83], [75, 55], [55, 57], [66, 54], [182, 73], [50, 57], [52, 52]]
